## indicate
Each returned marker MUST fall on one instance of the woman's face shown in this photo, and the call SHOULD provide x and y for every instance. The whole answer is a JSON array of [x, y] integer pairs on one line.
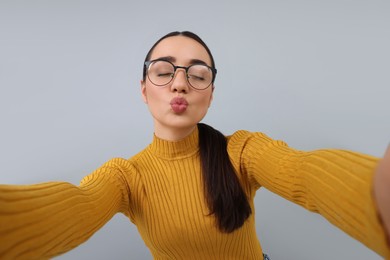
[[177, 107]]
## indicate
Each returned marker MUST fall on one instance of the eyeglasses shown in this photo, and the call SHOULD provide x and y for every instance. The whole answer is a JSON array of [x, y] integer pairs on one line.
[[162, 72]]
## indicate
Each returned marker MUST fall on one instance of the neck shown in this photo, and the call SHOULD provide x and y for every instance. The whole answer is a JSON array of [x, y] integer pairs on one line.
[[173, 134]]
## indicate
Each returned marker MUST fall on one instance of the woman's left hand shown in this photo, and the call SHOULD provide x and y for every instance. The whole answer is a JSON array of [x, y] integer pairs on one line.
[[382, 190]]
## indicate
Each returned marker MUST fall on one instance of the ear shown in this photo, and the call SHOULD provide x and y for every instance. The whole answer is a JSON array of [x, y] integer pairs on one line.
[[143, 92], [211, 95]]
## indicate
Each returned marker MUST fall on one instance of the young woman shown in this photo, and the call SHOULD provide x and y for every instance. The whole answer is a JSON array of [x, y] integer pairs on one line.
[[191, 191]]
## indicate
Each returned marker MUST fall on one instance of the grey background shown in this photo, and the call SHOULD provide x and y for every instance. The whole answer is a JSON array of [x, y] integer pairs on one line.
[[312, 73]]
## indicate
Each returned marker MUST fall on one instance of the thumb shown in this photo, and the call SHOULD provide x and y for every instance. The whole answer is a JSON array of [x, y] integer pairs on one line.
[[382, 189]]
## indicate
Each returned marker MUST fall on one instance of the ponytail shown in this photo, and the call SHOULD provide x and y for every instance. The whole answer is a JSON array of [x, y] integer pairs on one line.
[[225, 197]]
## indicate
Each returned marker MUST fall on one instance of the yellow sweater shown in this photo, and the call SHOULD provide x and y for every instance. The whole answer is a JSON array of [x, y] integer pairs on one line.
[[160, 190]]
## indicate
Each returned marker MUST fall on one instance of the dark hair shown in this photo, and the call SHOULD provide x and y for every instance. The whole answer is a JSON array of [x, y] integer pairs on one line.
[[225, 197], [224, 194]]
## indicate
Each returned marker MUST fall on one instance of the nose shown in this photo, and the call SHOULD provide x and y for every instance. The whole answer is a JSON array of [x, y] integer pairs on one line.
[[179, 82]]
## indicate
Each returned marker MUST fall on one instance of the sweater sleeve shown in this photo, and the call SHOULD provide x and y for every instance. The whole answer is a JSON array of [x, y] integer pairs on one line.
[[334, 183], [47, 219]]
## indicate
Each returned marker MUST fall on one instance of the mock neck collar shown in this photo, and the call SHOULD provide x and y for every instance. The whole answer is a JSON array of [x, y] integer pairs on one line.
[[185, 147]]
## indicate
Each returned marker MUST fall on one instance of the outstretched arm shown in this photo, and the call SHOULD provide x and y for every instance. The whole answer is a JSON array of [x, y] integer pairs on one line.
[[338, 184], [382, 191], [44, 220]]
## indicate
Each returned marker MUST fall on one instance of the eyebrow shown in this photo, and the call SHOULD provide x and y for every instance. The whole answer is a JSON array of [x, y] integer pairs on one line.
[[192, 61]]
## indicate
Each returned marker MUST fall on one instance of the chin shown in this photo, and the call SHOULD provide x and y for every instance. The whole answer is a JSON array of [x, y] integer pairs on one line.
[[180, 122], [182, 125]]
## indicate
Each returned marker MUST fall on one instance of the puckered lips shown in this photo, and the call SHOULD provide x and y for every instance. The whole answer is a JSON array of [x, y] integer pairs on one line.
[[179, 105]]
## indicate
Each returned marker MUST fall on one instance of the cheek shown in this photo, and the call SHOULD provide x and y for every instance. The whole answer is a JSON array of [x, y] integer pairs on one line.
[[154, 104], [204, 103], [152, 96]]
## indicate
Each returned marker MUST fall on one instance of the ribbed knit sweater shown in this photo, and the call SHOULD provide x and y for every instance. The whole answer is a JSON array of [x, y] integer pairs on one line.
[[161, 191]]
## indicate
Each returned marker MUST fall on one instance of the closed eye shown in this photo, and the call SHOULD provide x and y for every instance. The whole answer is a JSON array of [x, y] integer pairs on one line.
[[165, 75], [195, 77]]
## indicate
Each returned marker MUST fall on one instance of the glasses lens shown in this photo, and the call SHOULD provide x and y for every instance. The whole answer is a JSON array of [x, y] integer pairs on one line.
[[200, 76], [160, 72]]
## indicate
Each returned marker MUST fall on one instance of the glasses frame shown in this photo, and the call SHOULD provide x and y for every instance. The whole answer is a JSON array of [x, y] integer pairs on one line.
[[213, 71]]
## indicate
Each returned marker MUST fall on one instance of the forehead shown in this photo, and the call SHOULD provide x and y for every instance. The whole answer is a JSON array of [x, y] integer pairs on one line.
[[182, 49]]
